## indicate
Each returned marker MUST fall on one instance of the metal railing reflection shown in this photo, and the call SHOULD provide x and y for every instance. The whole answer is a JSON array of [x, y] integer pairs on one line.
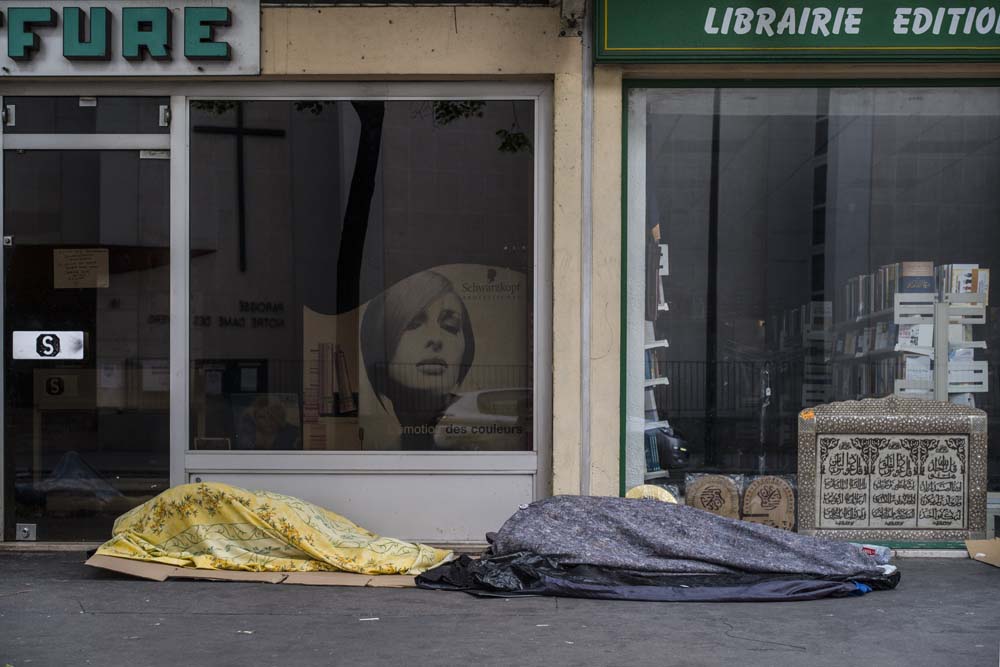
[[421, 387]]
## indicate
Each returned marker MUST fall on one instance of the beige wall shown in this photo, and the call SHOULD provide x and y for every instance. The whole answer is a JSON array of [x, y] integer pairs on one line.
[[605, 328], [416, 42], [468, 43]]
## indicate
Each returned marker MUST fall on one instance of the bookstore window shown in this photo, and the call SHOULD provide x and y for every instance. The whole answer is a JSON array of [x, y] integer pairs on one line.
[[782, 237], [362, 275]]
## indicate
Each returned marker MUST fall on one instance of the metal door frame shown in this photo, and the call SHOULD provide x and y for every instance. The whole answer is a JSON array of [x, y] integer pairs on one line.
[[62, 142]]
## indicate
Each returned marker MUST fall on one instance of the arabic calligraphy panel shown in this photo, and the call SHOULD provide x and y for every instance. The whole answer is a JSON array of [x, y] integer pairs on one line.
[[892, 481]]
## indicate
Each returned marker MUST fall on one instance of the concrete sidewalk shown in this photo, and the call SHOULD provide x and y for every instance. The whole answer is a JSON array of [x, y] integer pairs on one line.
[[56, 611]]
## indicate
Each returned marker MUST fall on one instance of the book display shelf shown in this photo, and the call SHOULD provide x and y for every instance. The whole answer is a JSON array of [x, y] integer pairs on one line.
[[659, 442], [908, 329]]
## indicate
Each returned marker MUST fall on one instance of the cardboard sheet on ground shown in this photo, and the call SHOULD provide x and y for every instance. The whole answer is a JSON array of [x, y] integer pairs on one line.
[[161, 572], [985, 551]]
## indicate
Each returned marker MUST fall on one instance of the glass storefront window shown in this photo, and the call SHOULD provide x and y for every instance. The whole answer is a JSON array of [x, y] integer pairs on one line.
[[773, 228], [361, 275]]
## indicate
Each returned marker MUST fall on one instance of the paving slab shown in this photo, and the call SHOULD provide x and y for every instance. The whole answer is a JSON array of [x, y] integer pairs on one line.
[[56, 611]]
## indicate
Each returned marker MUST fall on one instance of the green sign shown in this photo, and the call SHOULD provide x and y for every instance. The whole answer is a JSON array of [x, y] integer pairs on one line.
[[144, 30], [130, 37], [707, 31]]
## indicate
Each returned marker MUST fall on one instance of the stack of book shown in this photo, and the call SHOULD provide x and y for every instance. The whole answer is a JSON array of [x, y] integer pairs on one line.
[[656, 363], [654, 347], [891, 334], [874, 293], [917, 340], [963, 279]]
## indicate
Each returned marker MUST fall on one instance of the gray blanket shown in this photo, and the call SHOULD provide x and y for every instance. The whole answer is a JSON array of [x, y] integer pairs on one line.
[[653, 536]]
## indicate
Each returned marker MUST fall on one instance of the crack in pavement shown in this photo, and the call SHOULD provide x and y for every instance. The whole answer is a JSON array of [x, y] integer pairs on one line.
[[732, 629]]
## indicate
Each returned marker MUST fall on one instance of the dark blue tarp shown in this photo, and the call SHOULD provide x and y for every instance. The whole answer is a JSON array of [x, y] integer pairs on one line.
[[617, 548]]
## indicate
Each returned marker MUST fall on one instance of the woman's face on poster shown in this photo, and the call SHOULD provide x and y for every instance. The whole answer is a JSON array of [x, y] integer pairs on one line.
[[429, 354]]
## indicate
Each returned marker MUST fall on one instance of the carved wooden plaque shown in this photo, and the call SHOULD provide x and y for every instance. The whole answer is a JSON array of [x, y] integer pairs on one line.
[[770, 500], [718, 494]]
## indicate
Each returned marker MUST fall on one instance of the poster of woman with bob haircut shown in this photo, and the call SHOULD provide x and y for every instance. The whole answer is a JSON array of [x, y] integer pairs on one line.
[[418, 345], [442, 363]]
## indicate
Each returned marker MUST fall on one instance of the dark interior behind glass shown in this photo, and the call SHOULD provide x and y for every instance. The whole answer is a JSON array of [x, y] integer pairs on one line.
[[772, 203], [86, 250]]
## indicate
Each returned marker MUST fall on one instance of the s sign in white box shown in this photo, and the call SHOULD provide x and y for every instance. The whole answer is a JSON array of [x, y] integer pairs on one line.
[[48, 345]]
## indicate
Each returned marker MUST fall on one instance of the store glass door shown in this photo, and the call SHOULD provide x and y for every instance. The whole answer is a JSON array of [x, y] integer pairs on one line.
[[86, 312]]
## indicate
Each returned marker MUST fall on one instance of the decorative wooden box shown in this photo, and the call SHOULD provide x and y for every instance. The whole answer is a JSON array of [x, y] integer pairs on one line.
[[892, 469]]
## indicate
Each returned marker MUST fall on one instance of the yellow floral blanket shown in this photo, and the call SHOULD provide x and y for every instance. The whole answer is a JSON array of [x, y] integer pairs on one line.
[[221, 527]]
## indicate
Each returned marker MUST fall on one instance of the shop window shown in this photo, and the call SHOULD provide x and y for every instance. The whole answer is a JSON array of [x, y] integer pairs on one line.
[[772, 230], [361, 275]]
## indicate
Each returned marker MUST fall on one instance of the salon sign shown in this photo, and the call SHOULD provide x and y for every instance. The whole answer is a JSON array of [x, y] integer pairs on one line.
[[758, 31], [130, 38]]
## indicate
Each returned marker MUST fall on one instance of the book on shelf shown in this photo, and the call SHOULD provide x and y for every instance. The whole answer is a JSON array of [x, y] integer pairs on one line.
[[968, 399], [820, 314], [862, 346], [850, 343], [885, 335], [917, 367], [980, 284], [886, 285], [657, 266], [961, 355], [656, 363], [885, 377], [961, 345], [649, 405], [654, 286], [963, 279], [652, 453], [951, 276], [915, 335], [858, 296], [815, 324], [916, 277]]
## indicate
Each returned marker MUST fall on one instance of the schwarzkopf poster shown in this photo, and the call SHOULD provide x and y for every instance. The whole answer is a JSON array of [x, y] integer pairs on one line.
[[438, 361]]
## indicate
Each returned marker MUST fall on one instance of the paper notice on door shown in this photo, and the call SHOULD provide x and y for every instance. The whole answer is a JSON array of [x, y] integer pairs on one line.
[[155, 375], [110, 375], [248, 379], [80, 268]]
